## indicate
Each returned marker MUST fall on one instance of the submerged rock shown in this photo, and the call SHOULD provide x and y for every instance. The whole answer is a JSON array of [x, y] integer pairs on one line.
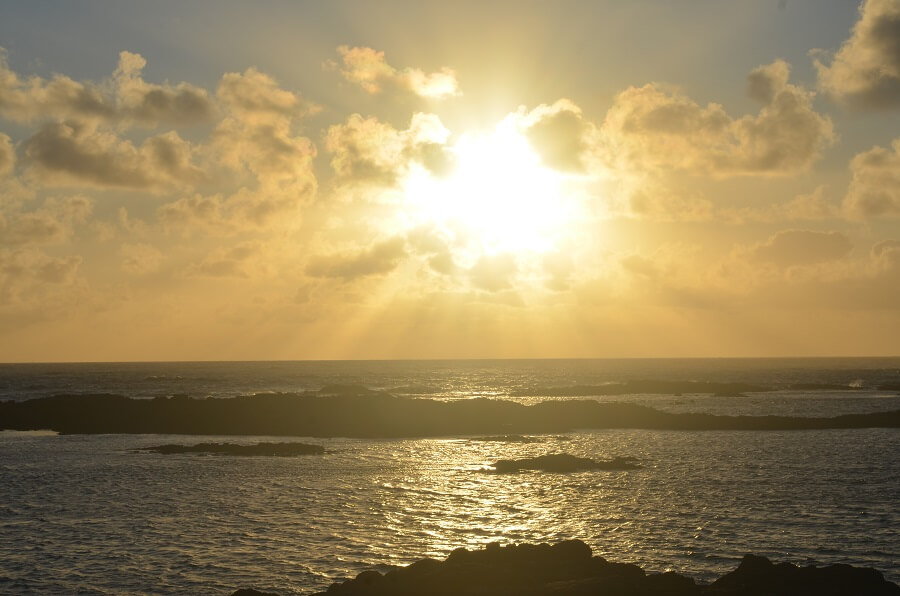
[[562, 463], [269, 449], [568, 569]]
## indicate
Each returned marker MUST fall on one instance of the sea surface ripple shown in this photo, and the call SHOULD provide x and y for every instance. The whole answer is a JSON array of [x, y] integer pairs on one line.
[[85, 514]]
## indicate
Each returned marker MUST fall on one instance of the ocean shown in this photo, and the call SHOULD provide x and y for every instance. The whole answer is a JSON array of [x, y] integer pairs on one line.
[[86, 514]]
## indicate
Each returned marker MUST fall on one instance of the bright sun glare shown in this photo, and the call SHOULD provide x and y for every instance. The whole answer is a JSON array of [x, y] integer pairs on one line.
[[498, 196]]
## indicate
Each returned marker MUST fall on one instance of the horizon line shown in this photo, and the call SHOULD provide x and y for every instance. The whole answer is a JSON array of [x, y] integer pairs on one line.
[[453, 359]]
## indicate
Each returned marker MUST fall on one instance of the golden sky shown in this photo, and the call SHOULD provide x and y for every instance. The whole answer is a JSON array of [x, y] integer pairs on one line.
[[216, 181]]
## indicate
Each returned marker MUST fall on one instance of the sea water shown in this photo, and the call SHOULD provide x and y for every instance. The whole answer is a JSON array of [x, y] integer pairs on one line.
[[87, 514]]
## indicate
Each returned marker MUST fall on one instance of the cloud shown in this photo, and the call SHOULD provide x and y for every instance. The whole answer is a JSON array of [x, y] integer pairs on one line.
[[26, 273], [52, 223], [434, 245], [140, 258], [875, 187], [865, 71], [886, 247], [559, 135], [659, 204], [886, 257], [7, 155], [812, 206], [240, 260], [26, 100], [258, 133], [651, 128], [368, 150], [268, 150], [152, 104], [368, 69], [193, 211], [764, 82], [252, 153], [244, 210], [255, 96], [127, 98], [802, 247], [379, 259], [68, 153]]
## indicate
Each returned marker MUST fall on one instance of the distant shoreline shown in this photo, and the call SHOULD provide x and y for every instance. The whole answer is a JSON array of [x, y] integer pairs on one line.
[[356, 412]]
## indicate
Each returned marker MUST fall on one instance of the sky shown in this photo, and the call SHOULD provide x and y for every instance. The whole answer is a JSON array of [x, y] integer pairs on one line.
[[360, 180]]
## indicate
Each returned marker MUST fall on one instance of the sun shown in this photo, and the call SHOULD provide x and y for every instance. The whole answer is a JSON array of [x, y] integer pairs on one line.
[[498, 196]]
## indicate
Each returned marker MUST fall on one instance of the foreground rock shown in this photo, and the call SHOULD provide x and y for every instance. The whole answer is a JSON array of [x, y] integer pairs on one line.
[[758, 575], [267, 449], [563, 463], [568, 569]]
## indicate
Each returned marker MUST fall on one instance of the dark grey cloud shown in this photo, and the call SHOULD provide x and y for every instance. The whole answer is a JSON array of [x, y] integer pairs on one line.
[[127, 98], [255, 95], [151, 104], [7, 155], [559, 136], [73, 152], [875, 188], [865, 71]]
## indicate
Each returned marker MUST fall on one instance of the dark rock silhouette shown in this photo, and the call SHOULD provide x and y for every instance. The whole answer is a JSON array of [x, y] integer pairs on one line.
[[267, 449], [568, 569], [563, 463], [252, 592], [377, 415], [757, 575]]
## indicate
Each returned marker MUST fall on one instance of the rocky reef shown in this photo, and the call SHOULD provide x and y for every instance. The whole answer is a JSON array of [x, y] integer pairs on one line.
[[562, 463], [569, 569], [342, 411]]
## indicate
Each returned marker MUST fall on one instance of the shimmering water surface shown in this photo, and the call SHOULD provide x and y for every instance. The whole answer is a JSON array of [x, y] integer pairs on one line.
[[85, 514]]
